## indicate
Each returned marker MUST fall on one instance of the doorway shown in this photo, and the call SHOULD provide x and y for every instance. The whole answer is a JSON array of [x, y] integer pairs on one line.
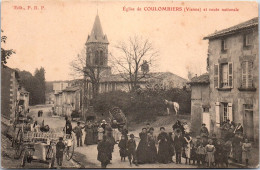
[[249, 122], [206, 119]]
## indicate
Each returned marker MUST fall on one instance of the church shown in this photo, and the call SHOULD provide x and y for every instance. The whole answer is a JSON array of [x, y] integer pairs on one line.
[[97, 57]]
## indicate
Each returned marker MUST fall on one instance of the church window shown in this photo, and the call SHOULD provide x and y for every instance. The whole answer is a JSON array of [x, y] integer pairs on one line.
[[101, 58], [96, 58]]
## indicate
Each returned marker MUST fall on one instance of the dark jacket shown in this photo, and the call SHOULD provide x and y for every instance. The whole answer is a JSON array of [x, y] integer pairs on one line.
[[178, 143], [59, 149]]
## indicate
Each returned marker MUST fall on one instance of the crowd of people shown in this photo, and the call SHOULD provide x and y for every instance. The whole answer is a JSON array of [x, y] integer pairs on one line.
[[204, 150]]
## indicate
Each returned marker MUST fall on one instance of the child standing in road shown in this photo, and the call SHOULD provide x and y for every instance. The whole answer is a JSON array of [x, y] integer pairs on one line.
[[201, 153], [100, 133], [246, 149], [122, 148], [60, 146], [210, 150], [131, 148]]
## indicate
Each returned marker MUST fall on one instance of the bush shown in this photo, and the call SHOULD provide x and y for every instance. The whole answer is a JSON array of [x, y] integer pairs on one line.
[[143, 104]]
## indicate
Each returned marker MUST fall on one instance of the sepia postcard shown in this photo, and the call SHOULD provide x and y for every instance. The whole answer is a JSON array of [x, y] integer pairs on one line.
[[129, 84]]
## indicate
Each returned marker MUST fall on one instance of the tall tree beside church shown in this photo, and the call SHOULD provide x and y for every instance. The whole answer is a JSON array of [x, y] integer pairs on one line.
[[5, 54], [136, 57], [39, 76]]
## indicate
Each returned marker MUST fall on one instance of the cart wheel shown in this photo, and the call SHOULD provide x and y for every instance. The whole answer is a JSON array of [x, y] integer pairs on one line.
[[50, 153], [18, 145], [51, 164], [24, 158], [70, 149]]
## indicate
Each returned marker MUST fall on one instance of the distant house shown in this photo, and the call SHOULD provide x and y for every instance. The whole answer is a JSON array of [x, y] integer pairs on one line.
[[49, 98], [59, 86], [23, 98], [233, 62], [68, 100], [164, 80], [200, 96], [9, 92]]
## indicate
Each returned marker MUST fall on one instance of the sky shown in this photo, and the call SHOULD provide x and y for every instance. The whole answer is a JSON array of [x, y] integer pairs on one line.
[[52, 37]]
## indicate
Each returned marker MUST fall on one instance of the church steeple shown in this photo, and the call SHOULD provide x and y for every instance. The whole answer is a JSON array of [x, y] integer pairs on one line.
[[97, 48], [97, 34]]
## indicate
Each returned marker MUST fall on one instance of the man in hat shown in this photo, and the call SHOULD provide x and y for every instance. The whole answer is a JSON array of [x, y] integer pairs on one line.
[[131, 147], [178, 141], [78, 131], [148, 127], [204, 133], [104, 149], [60, 146]]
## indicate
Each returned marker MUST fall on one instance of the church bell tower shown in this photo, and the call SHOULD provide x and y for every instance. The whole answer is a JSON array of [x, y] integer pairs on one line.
[[97, 48]]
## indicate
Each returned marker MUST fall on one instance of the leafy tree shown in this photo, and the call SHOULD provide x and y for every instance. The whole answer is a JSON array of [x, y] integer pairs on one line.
[[35, 85], [5, 54]]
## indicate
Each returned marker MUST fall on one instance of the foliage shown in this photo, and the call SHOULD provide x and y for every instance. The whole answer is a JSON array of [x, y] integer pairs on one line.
[[5, 54], [143, 104], [35, 85]]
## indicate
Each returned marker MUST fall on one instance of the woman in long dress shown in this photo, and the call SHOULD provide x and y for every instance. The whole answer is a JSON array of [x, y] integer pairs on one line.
[[152, 150], [142, 148], [163, 151], [89, 140]]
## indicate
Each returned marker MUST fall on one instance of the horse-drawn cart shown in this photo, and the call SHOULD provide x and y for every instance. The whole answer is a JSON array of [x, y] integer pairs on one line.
[[41, 146]]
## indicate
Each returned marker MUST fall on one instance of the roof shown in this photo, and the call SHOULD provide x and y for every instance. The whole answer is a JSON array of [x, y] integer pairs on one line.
[[150, 76], [97, 34], [202, 79], [71, 89], [231, 30]]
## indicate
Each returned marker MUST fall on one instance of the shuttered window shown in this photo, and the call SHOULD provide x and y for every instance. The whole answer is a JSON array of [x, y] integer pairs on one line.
[[247, 77], [230, 74], [216, 75]]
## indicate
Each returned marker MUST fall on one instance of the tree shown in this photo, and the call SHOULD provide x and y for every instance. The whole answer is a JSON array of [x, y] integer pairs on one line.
[[5, 54], [136, 56], [80, 68], [40, 84], [35, 85]]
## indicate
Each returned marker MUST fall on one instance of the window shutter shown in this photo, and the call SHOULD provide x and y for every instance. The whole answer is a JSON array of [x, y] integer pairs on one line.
[[230, 74], [216, 75], [230, 113], [249, 74], [217, 109], [244, 66]]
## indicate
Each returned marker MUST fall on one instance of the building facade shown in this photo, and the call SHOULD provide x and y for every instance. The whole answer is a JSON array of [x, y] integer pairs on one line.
[[68, 100], [233, 58], [9, 92], [200, 96]]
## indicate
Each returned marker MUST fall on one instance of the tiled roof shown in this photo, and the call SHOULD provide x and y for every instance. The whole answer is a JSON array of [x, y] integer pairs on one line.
[[71, 89], [97, 34], [247, 24], [150, 76], [202, 79]]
